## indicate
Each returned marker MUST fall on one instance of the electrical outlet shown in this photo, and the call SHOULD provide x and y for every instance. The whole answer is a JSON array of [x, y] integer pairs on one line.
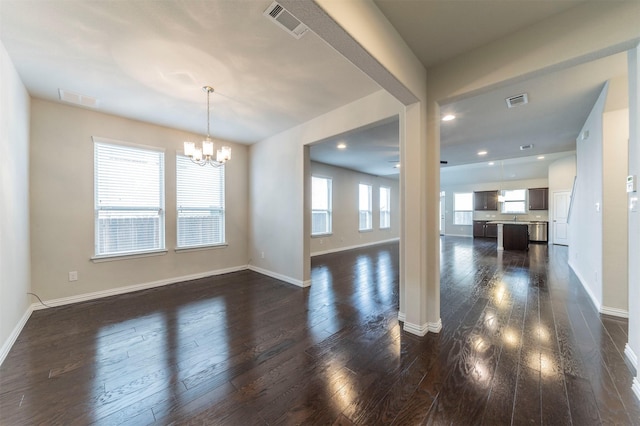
[[73, 276]]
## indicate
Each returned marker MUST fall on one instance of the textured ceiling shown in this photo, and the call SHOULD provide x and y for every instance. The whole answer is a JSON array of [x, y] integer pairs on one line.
[[437, 30], [148, 60]]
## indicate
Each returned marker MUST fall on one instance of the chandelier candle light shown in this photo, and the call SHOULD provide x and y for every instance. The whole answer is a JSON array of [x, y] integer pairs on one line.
[[204, 155]]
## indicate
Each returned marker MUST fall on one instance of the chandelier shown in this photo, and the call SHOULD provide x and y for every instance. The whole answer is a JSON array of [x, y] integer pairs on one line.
[[204, 155]]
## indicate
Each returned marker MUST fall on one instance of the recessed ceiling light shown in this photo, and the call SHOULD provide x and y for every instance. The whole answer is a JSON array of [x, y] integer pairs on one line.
[[491, 163], [397, 166], [482, 152], [342, 145], [448, 117], [541, 157]]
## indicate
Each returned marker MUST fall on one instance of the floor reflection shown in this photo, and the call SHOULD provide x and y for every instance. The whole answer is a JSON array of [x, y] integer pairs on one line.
[[520, 344]]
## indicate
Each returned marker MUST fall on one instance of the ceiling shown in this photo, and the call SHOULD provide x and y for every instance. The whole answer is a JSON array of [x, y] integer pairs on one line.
[[440, 30], [147, 60]]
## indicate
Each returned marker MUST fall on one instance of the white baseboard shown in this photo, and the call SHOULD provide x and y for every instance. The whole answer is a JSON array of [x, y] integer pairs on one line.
[[631, 356], [402, 317], [128, 289], [418, 330], [594, 300], [421, 330], [339, 249], [280, 277], [8, 344], [614, 312], [457, 235], [636, 387], [435, 327]]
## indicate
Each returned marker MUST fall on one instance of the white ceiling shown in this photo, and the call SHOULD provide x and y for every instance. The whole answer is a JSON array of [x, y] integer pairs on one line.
[[437, 30], [147, 60]]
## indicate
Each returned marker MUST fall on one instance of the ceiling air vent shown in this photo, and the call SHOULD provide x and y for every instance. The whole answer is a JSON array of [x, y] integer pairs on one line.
[[517, 100], [77, 99], [285, 20], [525, 147]]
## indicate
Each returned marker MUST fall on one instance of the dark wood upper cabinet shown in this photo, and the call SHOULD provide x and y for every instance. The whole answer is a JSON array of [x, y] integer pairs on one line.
[[485, 200], [538, 198]]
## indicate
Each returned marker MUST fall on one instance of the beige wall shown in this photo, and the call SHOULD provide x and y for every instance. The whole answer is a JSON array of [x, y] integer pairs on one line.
[[585, 224], [279, 202], [633, 347], [62, 219], [614, 212], [14, 204], [345, 232]]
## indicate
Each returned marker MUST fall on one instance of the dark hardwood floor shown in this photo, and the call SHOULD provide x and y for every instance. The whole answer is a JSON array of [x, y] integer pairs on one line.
[[521, 344]]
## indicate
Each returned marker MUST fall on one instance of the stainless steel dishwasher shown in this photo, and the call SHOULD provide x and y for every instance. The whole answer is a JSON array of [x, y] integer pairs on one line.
[[538, 231]]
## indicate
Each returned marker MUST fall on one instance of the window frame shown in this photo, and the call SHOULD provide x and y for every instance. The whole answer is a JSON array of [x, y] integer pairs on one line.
[[101, 255], [328, 212], [368, 213], [508, 201], [219, 209], [467, 213], [386, 219]]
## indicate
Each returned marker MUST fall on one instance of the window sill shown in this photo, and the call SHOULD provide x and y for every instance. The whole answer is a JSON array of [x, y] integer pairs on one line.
[[328, 234], [126, 256], [385, 229], [200, 248], [365, 230]]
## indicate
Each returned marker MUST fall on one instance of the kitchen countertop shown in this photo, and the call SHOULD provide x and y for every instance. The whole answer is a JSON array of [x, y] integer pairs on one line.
[[517, 222]]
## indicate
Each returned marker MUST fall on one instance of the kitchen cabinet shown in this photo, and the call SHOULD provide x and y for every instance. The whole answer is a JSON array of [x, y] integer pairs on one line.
[[515, 237], [538, 198], [485, 200], [491, 230], [482, 229]]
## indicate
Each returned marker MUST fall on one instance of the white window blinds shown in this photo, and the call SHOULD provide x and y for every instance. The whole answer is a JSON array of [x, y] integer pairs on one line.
[[364, 203], [385, 207], [129, 199], [463, 208], [320, 205], [200, 202]]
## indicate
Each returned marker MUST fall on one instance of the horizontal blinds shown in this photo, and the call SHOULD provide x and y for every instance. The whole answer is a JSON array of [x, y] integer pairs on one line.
[[200, 202], [385, 207], [129, 199], [320, 205], [364, 201]]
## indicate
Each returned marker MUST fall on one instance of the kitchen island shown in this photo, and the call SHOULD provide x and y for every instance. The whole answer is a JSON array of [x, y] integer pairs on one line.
[[512, 234]]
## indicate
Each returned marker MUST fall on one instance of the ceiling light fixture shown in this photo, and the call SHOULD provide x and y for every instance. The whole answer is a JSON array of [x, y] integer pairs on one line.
[[491, 163], [448, 117], [342, 146], [204, 155], [397, 166], [482, 152], [541, 157]]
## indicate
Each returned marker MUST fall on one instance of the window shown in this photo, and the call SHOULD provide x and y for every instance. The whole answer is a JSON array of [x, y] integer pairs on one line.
[[320, 205], [129, 199], [385, 207], [364, 203], [200, 203], [514, 201], [463, 208]]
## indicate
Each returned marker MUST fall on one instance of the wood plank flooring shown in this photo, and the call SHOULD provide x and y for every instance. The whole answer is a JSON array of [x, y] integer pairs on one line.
[[521, 344]]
